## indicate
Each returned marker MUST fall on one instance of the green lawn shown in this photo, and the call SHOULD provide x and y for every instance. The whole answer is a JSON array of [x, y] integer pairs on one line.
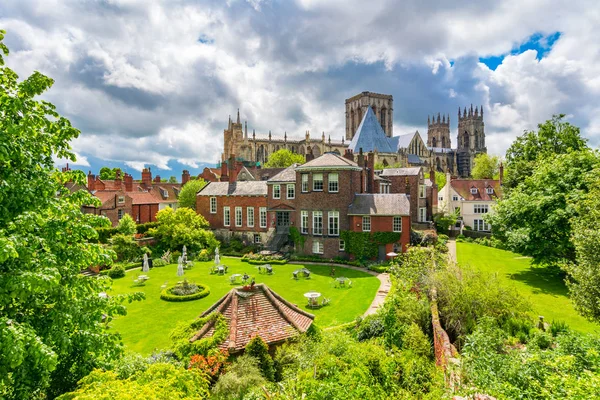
[[149, 322], [547, 293]]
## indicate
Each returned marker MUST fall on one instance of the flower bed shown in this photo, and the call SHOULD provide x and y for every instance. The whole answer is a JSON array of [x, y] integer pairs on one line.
[[198, 292], [260, 259]]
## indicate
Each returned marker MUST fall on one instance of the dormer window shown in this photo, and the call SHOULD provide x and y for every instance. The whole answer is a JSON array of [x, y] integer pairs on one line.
[[164, 193], [121, 199], [489, 190], [473, 190]]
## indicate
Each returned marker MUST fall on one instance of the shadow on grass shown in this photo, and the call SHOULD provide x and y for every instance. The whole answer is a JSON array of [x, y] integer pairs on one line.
[[542, 280]]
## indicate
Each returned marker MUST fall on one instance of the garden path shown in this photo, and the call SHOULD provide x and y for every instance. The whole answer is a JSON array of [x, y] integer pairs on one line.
[[451, 250]]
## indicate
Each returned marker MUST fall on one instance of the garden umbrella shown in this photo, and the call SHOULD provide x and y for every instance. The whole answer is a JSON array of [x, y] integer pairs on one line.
[[392, 254], [145, 267], [217, 258], [180, 266]]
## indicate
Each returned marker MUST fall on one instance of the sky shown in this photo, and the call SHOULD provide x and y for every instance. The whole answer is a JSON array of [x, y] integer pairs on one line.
[[152, 83]]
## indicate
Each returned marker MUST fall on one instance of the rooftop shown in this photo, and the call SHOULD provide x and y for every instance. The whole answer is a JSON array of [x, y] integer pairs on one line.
[[380, 204], [240, 188], [463, 188], [370, 136], [329, 160], [287, 175], [401, 171]]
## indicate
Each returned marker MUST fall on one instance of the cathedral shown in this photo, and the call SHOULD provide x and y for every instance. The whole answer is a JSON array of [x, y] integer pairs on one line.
[[369, 128]]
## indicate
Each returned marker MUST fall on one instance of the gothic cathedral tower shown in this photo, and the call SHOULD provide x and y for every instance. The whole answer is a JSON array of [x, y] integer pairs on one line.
[[356, 107], [471, 139], [438, 132]]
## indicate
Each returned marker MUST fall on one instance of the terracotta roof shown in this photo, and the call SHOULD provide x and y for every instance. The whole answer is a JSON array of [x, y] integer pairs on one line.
[[170, 189], [260, 312], [111, 184], [242, 188], [463, 188], [401, 171], [287, 175], [380, 204], [105, 195], [329, 160], [143, 198]]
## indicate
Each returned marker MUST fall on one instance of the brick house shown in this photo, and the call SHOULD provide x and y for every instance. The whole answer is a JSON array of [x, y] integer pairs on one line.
[[411, 182]]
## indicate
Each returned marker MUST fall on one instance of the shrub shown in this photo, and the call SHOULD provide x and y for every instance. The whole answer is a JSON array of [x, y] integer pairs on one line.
[[371, 326], [242, 376], [416, 341], [258, 349], [126, 247], [143, 228], [104, 234], [168, 294], [184, 331], [117, 271], [158, 262], [212, 365], [127, 226], [203, 256], [558, 327], [379, 268]]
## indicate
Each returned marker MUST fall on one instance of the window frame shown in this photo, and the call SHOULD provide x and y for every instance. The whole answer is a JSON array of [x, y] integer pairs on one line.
[[227, 216], [366, 222], [337, 182], [303, 222], [317, 229], [241, 217], [121, 200], [262, 212], [257, 239], [304, 183], [422, 191], [293, 190], [333, 216], [319, 245], [342, 245], [474, 190], [120, 214], [213, 205], [394, 220], [454, 197], [314, 188], [422, 214], [489, 190], [277, 192], [481, 208], [250, 221]]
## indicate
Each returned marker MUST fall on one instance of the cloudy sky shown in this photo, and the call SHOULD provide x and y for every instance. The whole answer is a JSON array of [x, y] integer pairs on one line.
[[153, 82]]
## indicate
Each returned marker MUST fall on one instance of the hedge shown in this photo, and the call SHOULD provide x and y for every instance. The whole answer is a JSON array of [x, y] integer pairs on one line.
[[263, 262], [143, 228], [379, 268], [167, 296], [106, 233]]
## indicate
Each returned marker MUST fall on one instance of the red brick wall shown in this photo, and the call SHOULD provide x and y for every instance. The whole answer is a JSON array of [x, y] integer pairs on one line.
[[384, 224], [111, 208], [145, 213], [216, 220], [398, 185], [283, 200]]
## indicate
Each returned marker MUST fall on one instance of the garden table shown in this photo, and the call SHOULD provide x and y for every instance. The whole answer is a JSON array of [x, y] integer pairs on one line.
[[234, 278], [312, 298]]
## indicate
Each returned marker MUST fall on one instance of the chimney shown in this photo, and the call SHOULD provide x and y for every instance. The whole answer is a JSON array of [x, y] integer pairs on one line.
[[501, 171], [309, 155], [118, 180], [65, 169], [231, 166], [146, 177], [432, 176], [91, 181], [349, 155], [361, 158], [185, 177], [371, 173], [224, 176], [157, 179], [128, 183]]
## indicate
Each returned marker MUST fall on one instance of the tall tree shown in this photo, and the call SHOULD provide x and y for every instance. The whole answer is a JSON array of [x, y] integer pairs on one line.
[[183, 227], [172, 179], [107, 173], [187, 196], [284, 158], [485, 166], [554, 136], [51, 331]]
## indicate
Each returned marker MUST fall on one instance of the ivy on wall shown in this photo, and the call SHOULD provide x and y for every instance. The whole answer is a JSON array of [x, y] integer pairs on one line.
[[184, 331], [297, 237], [365, 245]]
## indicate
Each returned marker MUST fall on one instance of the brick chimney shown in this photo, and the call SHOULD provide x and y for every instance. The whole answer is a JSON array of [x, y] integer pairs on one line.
[[146, 177], [434, 190], [118, 180], [232, 168], [309, 155], [501, 171], [361, 158], [371, 173], [157, 179], [185, 177], [65, 169], [91, 181], [128, 179], [349, 155], [224, 176]]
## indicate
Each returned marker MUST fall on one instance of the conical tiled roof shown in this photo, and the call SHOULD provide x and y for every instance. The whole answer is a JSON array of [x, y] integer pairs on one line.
[[260, 312], [370, 136]]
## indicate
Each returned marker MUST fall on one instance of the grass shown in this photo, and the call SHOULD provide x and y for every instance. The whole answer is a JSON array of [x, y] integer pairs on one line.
[[545, 290], [149, 322]]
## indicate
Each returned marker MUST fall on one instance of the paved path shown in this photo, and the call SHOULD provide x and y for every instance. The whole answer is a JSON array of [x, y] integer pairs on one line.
[[451, 250], [384, 283]]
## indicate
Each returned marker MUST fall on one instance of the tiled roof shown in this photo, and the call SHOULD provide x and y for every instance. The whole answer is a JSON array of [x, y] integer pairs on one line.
[[370, 136], [105, 195], [402, 141], [260, 312], [380, 204], [401, 171], [414, 159], [245, 175], [263, 174], [463, 188], [249, 188], [287, 175], [329, 160], [143, 198], [170, 189]]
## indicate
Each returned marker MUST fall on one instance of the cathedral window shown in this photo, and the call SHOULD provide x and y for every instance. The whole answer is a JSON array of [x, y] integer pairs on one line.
[[433, 142], [443, 142]]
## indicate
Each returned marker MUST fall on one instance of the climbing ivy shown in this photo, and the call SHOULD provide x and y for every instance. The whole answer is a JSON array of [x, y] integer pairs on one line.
[[297, 237], [365, 245], [182, 334]]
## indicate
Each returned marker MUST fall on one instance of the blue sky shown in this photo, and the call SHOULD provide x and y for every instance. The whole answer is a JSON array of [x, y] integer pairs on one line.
[[152, 82]]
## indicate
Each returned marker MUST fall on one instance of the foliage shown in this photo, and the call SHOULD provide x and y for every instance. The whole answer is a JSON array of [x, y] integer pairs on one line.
[[553, 137], [365, 245], [184, 331], [187, 196], [191, 292], [107, 173], [183, 227], [371, 326], [536, 218], [485, 166], [297, 238], [212, 365], [172, 179], [126, 247], [258, 349], [241, 376], [127, 225], [416, 341], [158, 262], [415, 266], [440, 179], [105, 233], [143, 228], [117, 271], [584, 274], [381, 165], [159, 381], [284, 158], [203, 256], [443, 221], [51, 331]]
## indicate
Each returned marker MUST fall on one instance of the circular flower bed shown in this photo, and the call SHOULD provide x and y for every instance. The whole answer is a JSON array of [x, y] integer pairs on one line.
[[185, 291]]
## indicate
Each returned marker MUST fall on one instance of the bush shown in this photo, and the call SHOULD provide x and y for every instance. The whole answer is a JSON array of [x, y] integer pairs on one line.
[[158, 262], [127, 226], [258, 349], [126, 247], [104, 234], [371, 326], [416, 341], [117, 271], [203, 256], [379, 268], [143, 228], [558, 327], [241, 377], [168, 294]]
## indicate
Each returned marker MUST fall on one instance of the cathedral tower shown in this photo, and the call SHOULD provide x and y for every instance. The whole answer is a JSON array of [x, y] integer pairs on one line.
[[471, 138], [438, 132], [382, 105]]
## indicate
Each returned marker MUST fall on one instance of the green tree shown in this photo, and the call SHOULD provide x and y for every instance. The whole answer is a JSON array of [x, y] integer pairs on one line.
[[443, 221], [485, 166], [172, 179], [51, 330], [584, 282], [258, 349], [535, 218], [240, 378], [183, 227], [284, 158], [187, 196], [553, 137], [108, 174], [127, 225], [440, 179]]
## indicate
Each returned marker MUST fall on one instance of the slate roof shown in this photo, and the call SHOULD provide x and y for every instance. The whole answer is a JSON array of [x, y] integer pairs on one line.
[[244, 188], [402, 141], [414, 159], [463, 188], [401, 171], [370, 136], [287, 175], [260, 312], [380, 204], [329, 160]]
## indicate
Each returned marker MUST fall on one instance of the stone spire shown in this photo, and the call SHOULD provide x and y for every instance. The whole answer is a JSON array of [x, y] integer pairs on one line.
[[269, 135], [238, 117], [245, 129]]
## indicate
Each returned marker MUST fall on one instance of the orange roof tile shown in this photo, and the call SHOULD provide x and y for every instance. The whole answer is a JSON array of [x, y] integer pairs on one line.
[[143, 198], [463, 188]]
